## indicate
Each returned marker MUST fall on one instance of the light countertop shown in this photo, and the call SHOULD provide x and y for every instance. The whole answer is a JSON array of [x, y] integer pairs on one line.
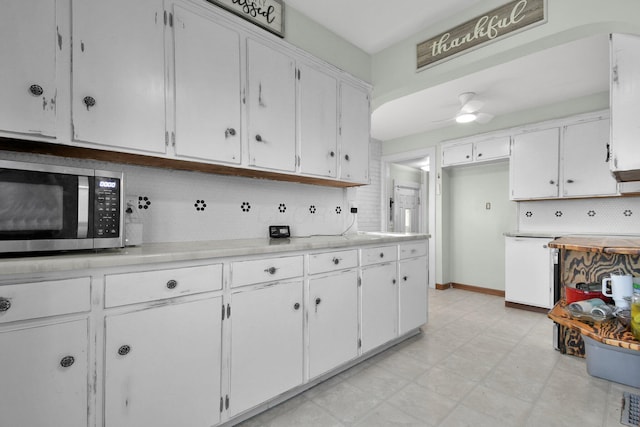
[[190, 251]]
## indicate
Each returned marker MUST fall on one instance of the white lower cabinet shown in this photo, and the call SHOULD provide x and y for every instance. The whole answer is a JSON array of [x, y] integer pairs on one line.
[[379, 305], [333, 321], [528, 271], [266, 343], [162, 366], [412, 294], [44, 375]]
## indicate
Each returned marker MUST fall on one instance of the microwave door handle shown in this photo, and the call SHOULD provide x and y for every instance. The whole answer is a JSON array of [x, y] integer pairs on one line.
[[83, 206]]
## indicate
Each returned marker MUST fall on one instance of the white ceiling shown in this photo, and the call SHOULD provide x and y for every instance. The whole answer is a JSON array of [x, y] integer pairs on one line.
[[548, 77]]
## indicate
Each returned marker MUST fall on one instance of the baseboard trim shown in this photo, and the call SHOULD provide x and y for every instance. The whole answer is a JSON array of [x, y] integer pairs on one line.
[[478, 289], [442, 287], [526, 307]]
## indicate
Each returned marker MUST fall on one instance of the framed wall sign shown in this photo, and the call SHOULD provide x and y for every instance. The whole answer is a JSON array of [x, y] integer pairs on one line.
[[513, 16], [268, 14]]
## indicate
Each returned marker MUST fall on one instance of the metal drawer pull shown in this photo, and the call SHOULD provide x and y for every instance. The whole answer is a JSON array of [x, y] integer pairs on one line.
[[67, 361], [393, 281], [229, 132], [296, 306], [36, 90], [5, 304], [381, 254], [336, 261], [124, 350], [405, 278], [332, 154], [271, 270], [172, 284], [346, 157], [89, 101]]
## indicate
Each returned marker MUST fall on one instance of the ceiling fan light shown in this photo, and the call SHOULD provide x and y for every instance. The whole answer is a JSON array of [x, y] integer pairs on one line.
[[466, 117]]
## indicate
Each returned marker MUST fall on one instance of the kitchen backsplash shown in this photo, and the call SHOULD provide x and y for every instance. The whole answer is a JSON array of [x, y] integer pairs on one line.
[[179, 206], [620, 215]]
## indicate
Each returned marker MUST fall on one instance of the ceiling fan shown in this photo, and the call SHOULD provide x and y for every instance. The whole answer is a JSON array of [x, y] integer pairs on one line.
[[470, 109]]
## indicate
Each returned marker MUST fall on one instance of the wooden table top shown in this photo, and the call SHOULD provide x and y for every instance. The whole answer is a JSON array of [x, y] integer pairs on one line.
[[609, 332], [627, 245]]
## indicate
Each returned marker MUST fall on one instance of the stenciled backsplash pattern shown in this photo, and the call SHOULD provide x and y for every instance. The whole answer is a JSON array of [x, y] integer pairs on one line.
[[182, 206], [618, 215]]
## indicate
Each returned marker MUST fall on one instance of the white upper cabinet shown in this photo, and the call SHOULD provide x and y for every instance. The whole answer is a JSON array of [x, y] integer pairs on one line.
[[118, 85], [355, 119], [585, 160], [317, 122], [457, 154], [207, 88], [28, 67], [271, 104], [625, 106], [534, 164]]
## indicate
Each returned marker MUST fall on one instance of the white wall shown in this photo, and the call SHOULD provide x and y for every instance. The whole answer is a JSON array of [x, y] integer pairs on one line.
[[368, 196], [476, 241]]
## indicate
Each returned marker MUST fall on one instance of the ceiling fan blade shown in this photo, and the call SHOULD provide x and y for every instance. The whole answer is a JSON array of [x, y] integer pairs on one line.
[[484, 117]]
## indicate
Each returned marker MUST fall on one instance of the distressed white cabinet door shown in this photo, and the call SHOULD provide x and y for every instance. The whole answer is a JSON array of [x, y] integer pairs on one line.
[[118, 83], [457, 154], [379, 306], [534, 165], [37, 390], [413, 294], [528, 271], [317, 122], [207, 88], [355, 133], [163, 364], [266, 343], [625, 103], [585, 160], [28, 67], [271, 103], [333, 321]]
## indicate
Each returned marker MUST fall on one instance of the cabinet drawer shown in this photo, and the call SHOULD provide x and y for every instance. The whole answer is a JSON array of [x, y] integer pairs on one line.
[[143, 286], [41, 299], [379, 255], [332, 261], [410, 250], [265, 270]]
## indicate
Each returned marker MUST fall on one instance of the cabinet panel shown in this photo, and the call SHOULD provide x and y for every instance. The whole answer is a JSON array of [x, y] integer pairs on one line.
[[37, 390], [534, 164], [47, 298], [332, 261], [625, 104], [131, 288], [271, 108], [379, 255], [28, 52], [333, 321], [379, 306], [207, 88], [355, 133], [528, 271], [266, 343], [410, 250], [585, 158], [265, 270], [118, 79], [495, 148], [457, 154], [165, 377], [413, 294], [317, 122]]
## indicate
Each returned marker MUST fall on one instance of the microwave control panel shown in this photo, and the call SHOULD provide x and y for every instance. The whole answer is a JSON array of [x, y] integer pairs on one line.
[[106, 219]]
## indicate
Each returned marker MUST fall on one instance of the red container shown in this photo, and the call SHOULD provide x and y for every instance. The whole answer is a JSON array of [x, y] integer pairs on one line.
[[573, 294]]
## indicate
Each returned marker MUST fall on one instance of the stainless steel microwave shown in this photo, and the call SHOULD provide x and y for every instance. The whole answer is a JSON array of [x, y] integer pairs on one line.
[[50, 208]]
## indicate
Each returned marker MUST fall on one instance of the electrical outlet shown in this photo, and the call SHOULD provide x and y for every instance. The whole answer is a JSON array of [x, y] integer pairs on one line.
[[353, 207], [354, 210]]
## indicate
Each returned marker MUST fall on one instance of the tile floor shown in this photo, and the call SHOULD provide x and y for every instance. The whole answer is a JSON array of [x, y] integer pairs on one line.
[[476, 364]]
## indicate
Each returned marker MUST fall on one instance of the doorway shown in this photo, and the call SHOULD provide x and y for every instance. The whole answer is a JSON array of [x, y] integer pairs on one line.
[[422, 216]]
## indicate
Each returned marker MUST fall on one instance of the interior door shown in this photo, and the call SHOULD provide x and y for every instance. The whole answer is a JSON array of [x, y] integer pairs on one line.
[[406, 208]]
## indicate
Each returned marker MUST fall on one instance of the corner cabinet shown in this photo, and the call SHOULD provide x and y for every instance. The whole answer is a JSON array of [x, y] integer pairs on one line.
[[118, 74], [28, 68], [355, 125], [625, 106]]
